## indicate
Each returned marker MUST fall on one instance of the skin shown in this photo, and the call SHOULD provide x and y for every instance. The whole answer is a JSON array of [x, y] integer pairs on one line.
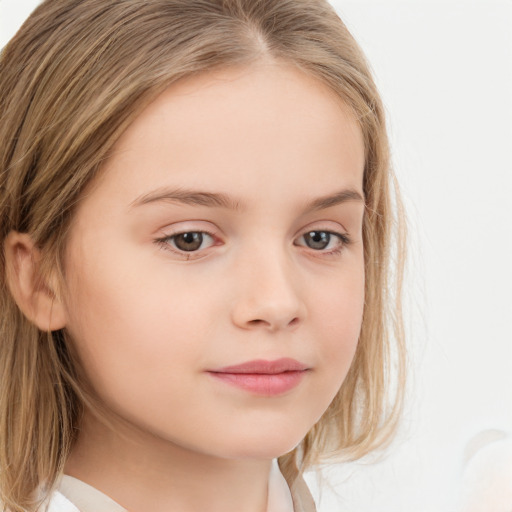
[[149, 320]]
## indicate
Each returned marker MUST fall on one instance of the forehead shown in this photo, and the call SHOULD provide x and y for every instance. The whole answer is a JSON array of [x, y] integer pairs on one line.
[[237, 128]]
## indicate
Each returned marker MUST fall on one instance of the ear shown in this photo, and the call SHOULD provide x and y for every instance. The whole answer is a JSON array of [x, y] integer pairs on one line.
[[36, 298]]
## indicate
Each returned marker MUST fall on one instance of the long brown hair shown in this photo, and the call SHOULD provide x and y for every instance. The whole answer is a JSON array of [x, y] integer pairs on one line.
[[72, 79]]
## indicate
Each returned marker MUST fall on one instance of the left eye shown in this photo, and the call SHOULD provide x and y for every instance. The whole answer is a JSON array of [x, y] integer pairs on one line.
[[190, 241], [322, 240]]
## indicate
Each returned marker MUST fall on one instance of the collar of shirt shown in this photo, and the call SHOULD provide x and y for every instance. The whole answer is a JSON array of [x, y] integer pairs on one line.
[[88, 499]]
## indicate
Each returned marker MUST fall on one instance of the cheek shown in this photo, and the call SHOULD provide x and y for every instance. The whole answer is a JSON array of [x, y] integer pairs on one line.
[[120, 331], [342, 346], [340, 316], [142, 357]]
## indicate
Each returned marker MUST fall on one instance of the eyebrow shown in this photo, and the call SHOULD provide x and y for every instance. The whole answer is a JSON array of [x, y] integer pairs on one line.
[[220, 200], [190, 197], [343, 196]]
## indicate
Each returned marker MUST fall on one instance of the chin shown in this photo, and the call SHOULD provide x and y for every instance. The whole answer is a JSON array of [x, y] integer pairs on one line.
[[262, 446]]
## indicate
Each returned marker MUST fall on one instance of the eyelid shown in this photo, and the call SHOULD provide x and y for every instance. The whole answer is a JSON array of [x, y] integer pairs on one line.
[[343, 238], [163, 241], [170, 233]]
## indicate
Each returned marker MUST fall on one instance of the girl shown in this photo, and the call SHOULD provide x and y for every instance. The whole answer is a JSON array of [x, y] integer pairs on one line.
[[196, 217]]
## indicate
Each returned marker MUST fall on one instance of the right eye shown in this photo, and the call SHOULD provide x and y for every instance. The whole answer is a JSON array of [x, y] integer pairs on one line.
[[186, 242]]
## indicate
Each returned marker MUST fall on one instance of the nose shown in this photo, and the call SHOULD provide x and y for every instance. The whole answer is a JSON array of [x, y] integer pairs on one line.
[[268, 295]]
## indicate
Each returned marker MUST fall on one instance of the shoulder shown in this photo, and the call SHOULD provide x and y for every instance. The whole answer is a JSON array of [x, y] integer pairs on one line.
[[58, 503], [488, 473]]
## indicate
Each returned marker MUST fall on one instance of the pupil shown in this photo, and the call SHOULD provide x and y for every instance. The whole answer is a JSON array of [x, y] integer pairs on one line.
[[318, 239], [189, 241]]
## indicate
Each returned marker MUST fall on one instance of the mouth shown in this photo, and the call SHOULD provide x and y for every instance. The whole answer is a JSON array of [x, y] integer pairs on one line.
[[267, 378]]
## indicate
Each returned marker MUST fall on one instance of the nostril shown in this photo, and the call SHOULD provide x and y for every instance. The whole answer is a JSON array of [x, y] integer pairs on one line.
[[258, 321]]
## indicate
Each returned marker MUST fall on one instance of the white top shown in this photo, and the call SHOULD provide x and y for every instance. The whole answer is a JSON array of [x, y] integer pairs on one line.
[[487, 479], [73, 495]]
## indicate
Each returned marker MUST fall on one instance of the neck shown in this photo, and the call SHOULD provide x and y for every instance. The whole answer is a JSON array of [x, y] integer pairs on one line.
[[143, 472]]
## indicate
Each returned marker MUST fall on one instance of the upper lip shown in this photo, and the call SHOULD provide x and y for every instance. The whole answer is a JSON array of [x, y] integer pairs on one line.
[[262, 366]]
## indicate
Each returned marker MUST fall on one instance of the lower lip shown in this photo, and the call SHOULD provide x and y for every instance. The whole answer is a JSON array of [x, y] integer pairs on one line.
[[262, 383]]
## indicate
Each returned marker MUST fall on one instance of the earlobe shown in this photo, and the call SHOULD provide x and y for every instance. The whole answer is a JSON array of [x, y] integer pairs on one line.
[[35, 296]]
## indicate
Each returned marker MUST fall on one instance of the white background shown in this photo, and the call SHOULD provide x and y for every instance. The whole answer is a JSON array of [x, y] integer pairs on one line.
[[445, 73]]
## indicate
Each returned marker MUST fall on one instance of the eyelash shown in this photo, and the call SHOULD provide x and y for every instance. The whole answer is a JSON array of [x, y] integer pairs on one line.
[[343, 238], [163, 242]]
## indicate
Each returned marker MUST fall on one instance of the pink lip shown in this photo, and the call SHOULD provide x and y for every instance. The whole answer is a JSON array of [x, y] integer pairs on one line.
[[262, 377]]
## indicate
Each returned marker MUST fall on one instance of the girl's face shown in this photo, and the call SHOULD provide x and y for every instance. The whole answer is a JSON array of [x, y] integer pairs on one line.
[[225, 228]]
